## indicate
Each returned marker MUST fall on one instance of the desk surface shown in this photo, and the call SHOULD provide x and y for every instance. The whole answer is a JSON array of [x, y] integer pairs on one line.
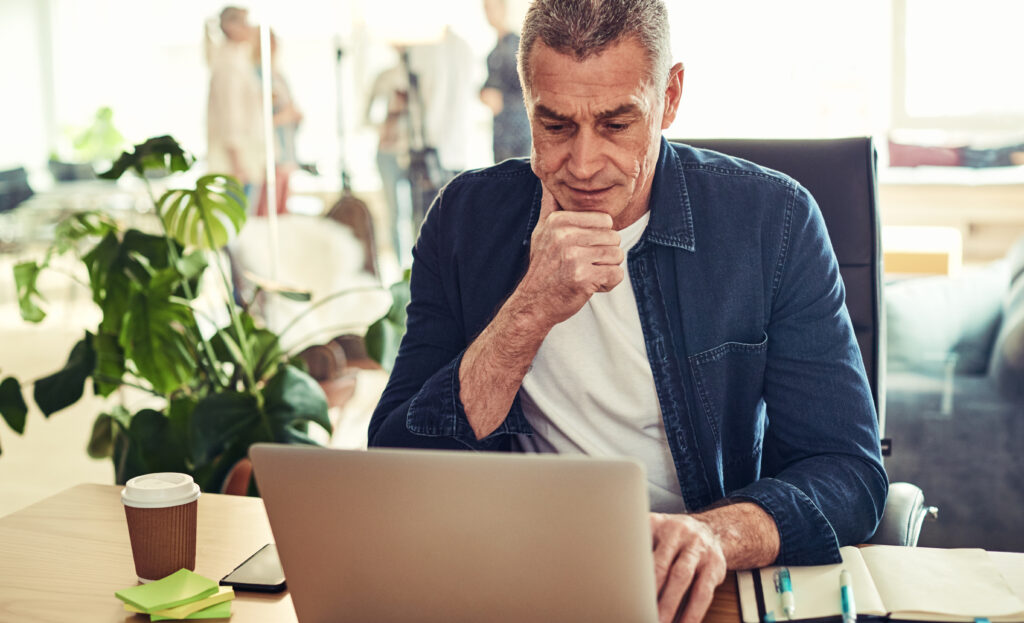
[[62, 559]]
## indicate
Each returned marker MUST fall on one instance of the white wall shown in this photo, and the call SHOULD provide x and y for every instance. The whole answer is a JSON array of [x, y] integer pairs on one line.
[[23, 74]]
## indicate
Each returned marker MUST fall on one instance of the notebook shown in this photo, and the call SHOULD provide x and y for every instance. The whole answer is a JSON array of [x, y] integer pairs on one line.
[[403, 535], [903, 583]]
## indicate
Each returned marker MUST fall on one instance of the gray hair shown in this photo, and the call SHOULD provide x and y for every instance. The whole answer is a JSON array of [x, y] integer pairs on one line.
[[586, 28]]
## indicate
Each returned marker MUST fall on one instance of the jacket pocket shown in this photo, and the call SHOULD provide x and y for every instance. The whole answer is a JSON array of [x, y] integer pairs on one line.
[[729, 380]]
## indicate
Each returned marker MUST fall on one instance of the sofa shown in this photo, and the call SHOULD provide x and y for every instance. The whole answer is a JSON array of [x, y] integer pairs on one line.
[[955, 400]]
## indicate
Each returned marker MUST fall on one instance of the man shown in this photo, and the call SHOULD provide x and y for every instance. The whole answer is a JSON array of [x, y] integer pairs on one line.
[[726, 362], [235, 110]]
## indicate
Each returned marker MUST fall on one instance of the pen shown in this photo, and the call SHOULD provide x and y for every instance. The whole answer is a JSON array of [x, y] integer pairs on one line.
[[846, 594], [785, 589]]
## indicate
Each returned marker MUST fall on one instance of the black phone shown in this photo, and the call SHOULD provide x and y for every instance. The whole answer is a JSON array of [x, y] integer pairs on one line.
[[260, 572]]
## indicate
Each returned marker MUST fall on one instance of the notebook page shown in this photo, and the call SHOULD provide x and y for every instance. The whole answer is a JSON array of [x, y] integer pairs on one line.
[[1011, 565], [816, 589], [916, 581]]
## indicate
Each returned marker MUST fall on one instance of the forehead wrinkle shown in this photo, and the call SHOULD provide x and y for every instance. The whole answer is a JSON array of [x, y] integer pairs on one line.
[[630, 108]]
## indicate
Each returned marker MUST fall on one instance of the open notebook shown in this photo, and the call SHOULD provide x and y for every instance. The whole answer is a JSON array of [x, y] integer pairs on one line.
[[903, 583]]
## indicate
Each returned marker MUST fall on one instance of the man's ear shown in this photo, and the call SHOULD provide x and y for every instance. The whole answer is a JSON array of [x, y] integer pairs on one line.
[[673, 95]]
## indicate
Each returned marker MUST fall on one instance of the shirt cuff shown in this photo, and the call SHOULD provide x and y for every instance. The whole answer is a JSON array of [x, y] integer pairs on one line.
[[437, 411], [805, 536]]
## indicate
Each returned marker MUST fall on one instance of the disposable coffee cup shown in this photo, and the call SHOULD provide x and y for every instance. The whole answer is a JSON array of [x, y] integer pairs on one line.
[[161, 512]]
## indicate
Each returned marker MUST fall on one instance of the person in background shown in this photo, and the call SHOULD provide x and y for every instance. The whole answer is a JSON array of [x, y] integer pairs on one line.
[[234, 120], [387, 110], [502, 92], [287, 117]]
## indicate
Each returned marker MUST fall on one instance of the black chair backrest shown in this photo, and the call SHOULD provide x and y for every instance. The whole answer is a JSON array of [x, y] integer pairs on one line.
[[14, 188], [840, 175]]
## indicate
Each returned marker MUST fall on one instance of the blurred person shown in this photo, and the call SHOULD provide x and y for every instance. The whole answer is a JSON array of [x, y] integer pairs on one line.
[[235, 142], [445, 73], [387, 110], [287, 117], [502, 92]]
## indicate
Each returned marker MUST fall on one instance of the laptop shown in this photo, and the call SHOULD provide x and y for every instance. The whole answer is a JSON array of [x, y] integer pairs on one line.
[[423, 535]]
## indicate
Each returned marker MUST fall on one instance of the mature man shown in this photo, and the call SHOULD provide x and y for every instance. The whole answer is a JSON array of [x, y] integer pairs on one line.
[[726, 362]]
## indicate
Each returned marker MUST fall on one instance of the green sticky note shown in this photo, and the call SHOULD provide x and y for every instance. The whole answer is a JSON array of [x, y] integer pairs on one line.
[[218, 611], [181, 587]]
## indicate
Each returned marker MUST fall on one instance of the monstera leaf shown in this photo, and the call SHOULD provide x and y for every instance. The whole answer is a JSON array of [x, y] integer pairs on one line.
[[154, 334], [207, 216], [161, 153]]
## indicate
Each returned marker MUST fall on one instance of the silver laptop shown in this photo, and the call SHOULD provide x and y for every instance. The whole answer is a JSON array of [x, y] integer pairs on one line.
[[417, 535]]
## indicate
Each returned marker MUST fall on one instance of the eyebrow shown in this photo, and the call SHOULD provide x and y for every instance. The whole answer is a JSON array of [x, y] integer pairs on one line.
[[624, 109]]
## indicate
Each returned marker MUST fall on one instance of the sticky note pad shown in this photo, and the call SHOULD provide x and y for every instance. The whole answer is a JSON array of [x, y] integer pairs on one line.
[[181, 587], [225, 593], [216, 611]]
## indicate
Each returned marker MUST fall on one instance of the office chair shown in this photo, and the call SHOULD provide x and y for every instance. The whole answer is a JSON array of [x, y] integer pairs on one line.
[[14, 188], [840, 174]]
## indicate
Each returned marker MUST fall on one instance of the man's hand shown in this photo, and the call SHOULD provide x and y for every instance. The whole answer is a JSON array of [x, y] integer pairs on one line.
[[573, 255], [693, 552], [688, 560]]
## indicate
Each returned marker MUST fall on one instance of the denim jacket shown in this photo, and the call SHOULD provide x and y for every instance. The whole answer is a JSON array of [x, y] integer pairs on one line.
[[758, 374]]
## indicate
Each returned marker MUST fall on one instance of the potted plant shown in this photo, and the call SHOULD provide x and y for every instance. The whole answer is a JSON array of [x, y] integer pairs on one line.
[[221, 388]]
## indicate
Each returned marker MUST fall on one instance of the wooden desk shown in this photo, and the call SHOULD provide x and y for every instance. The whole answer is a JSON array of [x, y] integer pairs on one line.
[[62, 559]]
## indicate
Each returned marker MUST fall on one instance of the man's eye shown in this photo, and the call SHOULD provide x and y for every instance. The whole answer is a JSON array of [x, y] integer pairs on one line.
[[617, 127], [554, 127]]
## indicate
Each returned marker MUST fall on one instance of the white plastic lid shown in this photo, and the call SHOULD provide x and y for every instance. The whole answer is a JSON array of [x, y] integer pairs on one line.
[[159, 490]]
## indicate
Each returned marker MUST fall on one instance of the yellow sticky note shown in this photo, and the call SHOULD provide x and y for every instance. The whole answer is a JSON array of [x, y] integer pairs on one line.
[[225, 593], [216, 611]]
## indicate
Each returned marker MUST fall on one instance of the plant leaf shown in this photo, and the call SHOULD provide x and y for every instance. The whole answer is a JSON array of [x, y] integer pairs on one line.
[[208, 216], [384, 337], [110, 365], [105, 431], [101, 440], [221, 419], [64, 387], [156, 443], [292, 397], [72, 229], [160, 153], [12, 404], [152, 338], [26, 275]]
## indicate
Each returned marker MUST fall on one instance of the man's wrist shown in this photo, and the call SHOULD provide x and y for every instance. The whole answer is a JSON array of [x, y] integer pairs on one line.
[[746, 532]]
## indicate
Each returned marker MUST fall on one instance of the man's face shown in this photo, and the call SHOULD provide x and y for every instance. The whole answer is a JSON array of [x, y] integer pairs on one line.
[[597, 128]]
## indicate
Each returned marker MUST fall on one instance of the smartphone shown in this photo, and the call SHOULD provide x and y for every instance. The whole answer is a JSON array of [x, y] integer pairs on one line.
[[260, 572]]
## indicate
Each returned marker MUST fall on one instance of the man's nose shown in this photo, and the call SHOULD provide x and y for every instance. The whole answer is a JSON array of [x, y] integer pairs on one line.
[[585, 154]]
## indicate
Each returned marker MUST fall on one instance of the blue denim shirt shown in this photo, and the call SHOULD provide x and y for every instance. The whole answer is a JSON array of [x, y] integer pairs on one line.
[[760, 380]]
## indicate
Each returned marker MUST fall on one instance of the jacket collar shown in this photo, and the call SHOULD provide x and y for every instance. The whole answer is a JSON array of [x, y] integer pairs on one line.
[[671, 217]]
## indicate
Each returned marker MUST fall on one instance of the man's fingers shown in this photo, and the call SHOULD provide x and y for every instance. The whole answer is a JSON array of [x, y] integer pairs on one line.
[[677, 583], [608, 277], [589, 220], [568, 236], [702, 592], [607, 256]]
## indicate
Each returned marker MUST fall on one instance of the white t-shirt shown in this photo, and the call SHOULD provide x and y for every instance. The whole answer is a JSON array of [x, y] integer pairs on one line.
[[590, 389]]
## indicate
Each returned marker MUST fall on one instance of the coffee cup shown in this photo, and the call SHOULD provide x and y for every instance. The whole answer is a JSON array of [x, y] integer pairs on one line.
[[161, 510]]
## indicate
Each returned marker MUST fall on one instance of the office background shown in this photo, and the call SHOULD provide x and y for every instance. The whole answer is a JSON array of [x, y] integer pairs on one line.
[[911, 73]]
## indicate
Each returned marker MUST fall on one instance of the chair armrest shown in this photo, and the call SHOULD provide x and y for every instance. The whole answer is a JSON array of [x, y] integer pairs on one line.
[[903, 515]]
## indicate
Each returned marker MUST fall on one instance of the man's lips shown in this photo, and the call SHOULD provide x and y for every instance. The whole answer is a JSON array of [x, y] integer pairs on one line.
[[588, 193]]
